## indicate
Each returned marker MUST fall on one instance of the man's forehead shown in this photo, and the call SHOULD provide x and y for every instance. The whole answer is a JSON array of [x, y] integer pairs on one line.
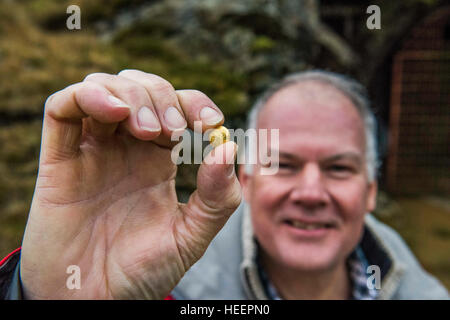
[[313, 89], [309, 103], [314, 118]]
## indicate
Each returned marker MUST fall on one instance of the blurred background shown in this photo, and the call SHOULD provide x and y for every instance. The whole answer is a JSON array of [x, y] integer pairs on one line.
[[232, 50]]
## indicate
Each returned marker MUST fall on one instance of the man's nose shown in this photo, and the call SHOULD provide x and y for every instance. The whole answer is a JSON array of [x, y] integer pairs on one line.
[[309, 189]]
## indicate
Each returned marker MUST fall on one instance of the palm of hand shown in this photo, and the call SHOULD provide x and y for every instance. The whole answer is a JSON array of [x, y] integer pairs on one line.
[[121, 196]]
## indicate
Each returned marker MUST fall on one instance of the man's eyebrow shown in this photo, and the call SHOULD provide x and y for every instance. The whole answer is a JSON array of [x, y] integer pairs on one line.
[[354, 156], [289, 156], [346, 155]]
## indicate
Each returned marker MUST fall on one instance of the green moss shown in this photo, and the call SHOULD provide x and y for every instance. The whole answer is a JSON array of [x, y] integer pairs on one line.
[[139, 46], [262, 43]]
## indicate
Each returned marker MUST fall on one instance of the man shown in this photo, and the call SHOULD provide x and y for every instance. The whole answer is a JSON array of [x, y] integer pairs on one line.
[[301, 233], [305, 232]]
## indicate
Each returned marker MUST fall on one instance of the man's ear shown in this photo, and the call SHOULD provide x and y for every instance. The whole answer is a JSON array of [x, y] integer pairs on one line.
[[371, 203], [245, 180]]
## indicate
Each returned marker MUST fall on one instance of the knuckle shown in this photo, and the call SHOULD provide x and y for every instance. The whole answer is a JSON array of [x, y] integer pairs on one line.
[[86, 88], [134, 91], [198, 93], [96, 76], [48, 101], [125, 72], [63, 92], [51, 104], [162, 86], [196, 96]]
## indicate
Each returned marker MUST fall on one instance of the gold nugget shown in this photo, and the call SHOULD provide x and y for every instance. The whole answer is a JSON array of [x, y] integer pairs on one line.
[[219, 136]]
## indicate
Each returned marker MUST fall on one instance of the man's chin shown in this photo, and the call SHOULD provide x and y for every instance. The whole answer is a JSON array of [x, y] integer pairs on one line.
[[311, 260]]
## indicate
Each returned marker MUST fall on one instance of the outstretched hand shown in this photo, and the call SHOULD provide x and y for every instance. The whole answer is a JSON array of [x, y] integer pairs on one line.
[[105, 197]]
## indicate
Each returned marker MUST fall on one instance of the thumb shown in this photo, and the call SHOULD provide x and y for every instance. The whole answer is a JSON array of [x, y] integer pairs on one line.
[[217, 196], [217, 185]]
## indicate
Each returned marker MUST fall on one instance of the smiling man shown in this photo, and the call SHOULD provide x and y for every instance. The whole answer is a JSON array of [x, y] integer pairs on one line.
[[305, 232]]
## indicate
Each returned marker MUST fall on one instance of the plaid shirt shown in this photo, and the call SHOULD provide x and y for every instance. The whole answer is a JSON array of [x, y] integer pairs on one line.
[[356, 265]]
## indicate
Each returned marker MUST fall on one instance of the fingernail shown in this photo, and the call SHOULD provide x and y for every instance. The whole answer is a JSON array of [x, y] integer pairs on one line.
[[117, 102], [147, 120], [210, 116], [174, 119]]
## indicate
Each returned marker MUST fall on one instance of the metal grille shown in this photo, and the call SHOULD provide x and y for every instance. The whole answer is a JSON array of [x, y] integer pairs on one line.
[[419, 142], [419, 157]]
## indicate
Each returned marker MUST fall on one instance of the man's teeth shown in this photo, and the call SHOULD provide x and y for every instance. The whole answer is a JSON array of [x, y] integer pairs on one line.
[[307, 226]]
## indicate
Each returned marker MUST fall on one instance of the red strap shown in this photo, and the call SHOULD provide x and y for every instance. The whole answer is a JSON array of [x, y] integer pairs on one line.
[[9, 256], [169, 297]]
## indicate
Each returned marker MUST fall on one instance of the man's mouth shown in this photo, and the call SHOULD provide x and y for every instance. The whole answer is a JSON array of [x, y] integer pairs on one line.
[[309, 226]]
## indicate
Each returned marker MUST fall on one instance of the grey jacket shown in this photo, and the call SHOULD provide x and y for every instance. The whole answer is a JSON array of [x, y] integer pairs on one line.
[[228, 269]]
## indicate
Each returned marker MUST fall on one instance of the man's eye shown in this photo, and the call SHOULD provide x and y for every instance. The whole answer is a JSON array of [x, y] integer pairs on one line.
[[340, 168], [340, 171], [282, 165]]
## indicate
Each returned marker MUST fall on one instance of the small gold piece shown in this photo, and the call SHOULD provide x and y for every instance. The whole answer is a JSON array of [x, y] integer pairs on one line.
[[219, 136]]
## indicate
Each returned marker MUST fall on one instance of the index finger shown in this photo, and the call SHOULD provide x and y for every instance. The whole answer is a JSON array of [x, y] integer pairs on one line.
[[195, 105]]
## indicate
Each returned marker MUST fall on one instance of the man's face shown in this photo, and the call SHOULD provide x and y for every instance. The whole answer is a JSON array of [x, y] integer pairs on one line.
[[309, 216]]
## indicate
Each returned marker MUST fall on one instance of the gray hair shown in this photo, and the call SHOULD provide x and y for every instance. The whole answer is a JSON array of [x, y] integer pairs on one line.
[[350, 88]]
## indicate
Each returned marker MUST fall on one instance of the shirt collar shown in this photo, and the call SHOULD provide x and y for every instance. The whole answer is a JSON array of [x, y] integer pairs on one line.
[[357, 269]]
